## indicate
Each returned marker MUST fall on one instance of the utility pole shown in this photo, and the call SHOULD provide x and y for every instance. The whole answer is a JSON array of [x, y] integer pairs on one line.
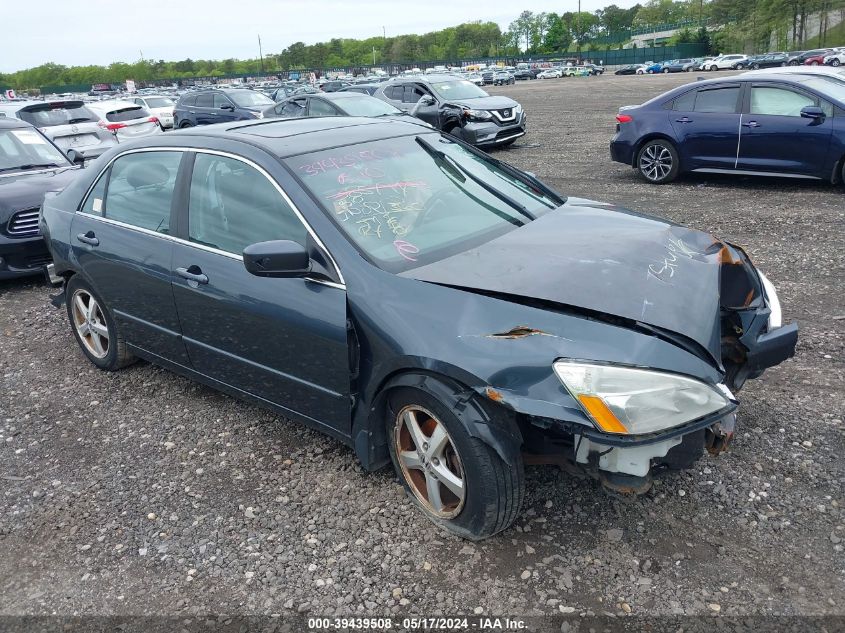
[[384, 43], [578, 33], [374, 55], [260, 54]]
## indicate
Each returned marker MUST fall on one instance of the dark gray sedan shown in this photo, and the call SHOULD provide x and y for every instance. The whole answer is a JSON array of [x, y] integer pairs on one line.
[[332, 104], [418, 300]]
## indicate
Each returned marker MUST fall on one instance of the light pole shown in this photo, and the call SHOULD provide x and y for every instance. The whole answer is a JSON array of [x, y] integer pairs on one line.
[[260, 54]]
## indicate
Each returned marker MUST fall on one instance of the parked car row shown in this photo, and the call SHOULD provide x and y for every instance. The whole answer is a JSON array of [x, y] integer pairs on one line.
[[446, 102]]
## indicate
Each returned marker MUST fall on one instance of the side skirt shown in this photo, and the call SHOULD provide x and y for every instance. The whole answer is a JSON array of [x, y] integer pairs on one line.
[[240, 394]]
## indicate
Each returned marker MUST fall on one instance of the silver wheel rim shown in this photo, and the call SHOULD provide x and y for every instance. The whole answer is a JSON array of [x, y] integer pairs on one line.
[[656, 162], [430, 462], [90, 324]]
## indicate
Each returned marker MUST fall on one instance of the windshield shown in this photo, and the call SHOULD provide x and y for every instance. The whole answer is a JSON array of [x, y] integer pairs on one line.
[[159, 102], [48, 115], [459, 89], [366, 106], [28, 149], [250, 99], [410, 201]]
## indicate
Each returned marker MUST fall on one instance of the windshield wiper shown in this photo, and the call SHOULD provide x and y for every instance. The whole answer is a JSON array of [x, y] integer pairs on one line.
[[521, 176], [433, 151], [30, 166]]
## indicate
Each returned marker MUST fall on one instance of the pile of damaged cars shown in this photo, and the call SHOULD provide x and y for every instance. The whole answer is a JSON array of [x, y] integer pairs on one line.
[[429, 305]]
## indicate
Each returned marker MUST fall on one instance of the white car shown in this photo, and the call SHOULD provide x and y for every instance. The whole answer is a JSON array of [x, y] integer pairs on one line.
[[727, 62], [159, 106], [550, 73], [836, 58], [124, 119]]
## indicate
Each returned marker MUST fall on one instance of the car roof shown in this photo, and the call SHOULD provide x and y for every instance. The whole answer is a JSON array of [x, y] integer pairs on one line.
[[9, 123], [335, 96], [114, 104], [25, 103], [787, 78], [290, 137], [432, 78]]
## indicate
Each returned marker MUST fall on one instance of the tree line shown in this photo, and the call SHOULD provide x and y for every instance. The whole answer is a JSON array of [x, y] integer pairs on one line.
[[733, 25]]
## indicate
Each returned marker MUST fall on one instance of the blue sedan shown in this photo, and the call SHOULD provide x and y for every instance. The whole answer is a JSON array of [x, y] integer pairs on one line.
[[763, 124]]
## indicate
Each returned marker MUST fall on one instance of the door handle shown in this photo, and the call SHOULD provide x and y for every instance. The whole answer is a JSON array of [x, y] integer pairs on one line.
[[88, 238], [193, 274], [751, 124], [684, 120]]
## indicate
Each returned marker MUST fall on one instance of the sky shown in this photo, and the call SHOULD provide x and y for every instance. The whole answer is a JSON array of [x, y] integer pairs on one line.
[[104, 31]]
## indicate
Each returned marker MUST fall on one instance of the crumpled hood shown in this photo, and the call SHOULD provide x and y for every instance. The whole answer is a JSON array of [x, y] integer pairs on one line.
[[603, 258], [485, 103], [26, 190]]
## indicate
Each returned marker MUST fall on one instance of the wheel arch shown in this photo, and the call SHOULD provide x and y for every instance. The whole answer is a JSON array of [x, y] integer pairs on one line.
[[490, 423], [651, 136]]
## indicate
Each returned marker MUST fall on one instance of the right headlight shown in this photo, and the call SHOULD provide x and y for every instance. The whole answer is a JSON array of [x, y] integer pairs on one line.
[[631, 401]]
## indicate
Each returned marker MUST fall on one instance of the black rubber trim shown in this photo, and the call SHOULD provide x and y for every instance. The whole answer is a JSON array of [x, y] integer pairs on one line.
[[639, 440]]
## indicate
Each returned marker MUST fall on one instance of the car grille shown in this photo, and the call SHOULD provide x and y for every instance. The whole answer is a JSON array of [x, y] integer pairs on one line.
[[24, 223], [505, 115]]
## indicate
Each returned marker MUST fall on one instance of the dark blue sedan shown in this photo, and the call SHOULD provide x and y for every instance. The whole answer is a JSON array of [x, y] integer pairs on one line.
[[417, 299], [763, 124]]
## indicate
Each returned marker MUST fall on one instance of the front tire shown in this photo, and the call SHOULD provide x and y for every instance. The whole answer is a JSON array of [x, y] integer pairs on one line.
[[835, 62], [658, 162], [94, 327], [457, 480]]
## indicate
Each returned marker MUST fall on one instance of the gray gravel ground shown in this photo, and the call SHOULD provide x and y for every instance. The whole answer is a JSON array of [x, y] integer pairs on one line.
[[142, 492]]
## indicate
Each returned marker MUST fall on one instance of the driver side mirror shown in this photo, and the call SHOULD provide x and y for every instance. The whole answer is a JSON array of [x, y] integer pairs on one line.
[[427, 100], [812, 112], [277, 258], [228, 106], [75, 157]]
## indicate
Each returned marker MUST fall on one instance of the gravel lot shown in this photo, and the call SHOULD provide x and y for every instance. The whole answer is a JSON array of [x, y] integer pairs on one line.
[[141, 492]]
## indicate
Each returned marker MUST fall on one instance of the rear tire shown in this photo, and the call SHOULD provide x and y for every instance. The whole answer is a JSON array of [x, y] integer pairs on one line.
[[835, 62], [489, 491], [665, 71], [658, 162], [94, 327]]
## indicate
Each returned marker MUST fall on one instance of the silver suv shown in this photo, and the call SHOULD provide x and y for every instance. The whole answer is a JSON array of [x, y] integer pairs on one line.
[[69, 124]]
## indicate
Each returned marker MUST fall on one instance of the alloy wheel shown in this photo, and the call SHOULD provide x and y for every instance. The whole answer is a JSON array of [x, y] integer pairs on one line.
[[656, 162], [430, 462], [90, 324]]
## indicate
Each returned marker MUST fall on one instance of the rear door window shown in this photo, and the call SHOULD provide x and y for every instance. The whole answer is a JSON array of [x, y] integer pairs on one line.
[[205, 100], [139, 190], [292, 108], [318, 107], [220, 100], [720, 100]]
